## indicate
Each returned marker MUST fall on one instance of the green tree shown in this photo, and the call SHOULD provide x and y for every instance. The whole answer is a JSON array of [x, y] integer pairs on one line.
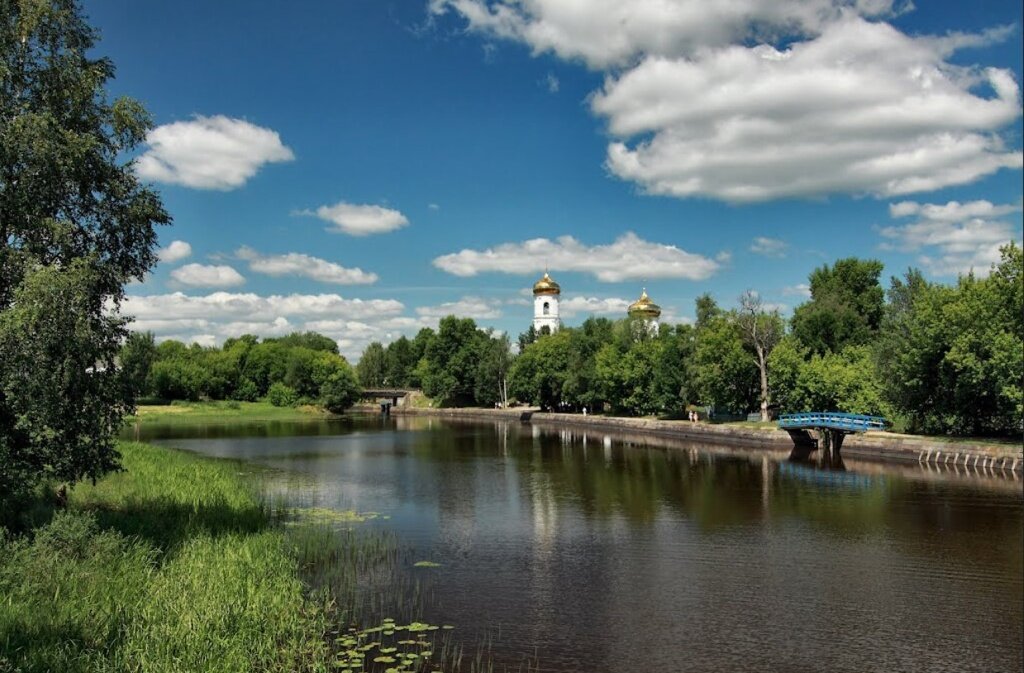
[[400, 362], [451, 361], [725, 375], [372, 366], [73, 219], [494, 361], [539, 374], [846, 306], [952, 358], [137, 357], [340, 390], [311, 340]]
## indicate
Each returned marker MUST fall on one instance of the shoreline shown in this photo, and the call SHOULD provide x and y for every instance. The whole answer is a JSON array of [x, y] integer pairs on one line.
[[873, 446]]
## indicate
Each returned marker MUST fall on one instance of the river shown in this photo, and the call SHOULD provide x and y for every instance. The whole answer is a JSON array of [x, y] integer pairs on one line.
[[599, 553]]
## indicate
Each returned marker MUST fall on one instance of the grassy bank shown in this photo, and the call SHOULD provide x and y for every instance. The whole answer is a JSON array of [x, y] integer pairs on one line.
[[174, 565], [224, 412]]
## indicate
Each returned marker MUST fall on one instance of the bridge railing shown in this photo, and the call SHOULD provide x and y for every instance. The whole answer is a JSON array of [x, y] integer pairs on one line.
[[832, 419]]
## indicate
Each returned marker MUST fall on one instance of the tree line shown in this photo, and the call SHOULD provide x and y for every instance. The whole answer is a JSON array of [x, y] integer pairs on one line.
[[301, 368], [934, 358]]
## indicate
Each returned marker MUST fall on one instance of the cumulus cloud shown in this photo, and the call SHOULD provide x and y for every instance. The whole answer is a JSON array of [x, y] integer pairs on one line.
[[359, 220], [629, 257], [477, 308], [306, 266], [207, 275], [749, 101], [226, 306], [769, 247], [175, 251], [953, 237], [209, 152], [216, 316], [608, 33], [798, 290], [863, 108], [580, 305]]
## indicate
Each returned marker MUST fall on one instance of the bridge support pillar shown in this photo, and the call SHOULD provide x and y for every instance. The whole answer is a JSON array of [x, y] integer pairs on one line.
[[832, 441]]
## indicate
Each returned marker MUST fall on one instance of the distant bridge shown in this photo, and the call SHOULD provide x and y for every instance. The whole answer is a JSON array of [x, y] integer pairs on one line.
[[387, 397], [832, 426]]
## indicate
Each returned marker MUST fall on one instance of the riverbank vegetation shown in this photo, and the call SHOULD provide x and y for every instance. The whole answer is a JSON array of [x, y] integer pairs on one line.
[[180, 563], [298, 369], [937, 359], [230, 411], [172, 565]]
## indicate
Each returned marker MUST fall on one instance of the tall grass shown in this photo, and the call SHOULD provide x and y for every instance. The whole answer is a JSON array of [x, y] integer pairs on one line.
[[180, 564], [173, 565]]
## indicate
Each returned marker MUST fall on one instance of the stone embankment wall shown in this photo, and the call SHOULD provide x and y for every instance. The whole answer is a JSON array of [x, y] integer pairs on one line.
[[877, 446]]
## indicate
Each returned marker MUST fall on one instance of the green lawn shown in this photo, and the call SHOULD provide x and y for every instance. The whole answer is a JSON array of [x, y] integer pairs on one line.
[[224, 412]]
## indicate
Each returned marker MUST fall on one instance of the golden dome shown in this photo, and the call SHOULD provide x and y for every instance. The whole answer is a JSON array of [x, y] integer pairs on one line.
[[546, 286], [644, 307]]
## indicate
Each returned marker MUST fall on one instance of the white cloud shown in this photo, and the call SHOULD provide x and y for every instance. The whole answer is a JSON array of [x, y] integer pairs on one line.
[[798, 290], [953, 237], [359, 220], [748, 100], [297, 264], [769, 247], [209, 152], [433, 206], [551, 83], [580, 305], [216, 316], [175, 251], [863, 108], [629, 257], [206, 275], [477, 308], [608, 33], [249, 306]]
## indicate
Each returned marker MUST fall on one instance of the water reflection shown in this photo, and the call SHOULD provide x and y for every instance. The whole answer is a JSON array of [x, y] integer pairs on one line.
[[612, 552]]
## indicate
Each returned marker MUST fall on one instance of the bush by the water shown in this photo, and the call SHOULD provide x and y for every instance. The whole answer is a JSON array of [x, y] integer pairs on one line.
[[281, 395]]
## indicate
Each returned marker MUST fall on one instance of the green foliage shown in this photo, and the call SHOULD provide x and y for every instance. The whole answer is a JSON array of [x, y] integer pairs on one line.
[[173, 565], [281, 395], [61, 400], [308, 340], [725, 373], [372, 366], [846, 306], [339, 390], [451, 371], [137, 357], [847, 381], [75, 227], [538, 375], [953, 357], [246, 370]]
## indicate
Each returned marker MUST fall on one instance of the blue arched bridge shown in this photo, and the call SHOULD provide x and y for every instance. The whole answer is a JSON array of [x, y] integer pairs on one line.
[[832, 426]]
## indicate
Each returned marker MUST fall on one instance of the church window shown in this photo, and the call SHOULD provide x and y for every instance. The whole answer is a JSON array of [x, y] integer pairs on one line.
[[547, 308]]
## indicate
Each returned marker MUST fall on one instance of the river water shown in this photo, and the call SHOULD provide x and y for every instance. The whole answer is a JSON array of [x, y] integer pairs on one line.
[[585, 551]]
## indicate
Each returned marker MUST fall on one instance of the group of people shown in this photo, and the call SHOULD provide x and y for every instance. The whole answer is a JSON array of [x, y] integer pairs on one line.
[[694, 416]]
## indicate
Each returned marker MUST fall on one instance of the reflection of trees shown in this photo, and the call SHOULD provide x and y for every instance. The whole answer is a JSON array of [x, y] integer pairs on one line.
[[642, 477]]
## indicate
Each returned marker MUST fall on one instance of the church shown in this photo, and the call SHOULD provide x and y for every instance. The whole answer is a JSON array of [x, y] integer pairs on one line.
[[546, 293]]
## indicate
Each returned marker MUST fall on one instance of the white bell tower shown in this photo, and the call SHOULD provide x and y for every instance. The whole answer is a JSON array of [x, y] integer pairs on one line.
[[545, 305]]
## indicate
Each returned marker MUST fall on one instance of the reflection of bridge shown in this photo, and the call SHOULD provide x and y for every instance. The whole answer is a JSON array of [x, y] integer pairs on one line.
[[831, 426], [387, 397]]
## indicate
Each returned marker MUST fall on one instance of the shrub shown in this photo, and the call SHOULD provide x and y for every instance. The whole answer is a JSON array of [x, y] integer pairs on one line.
[[281, 395]]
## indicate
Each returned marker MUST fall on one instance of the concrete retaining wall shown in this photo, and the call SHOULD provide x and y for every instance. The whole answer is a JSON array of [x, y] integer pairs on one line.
[[874, 446]]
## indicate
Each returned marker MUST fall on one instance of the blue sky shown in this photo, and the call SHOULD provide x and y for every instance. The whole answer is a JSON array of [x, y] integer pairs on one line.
[[363, 167]]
